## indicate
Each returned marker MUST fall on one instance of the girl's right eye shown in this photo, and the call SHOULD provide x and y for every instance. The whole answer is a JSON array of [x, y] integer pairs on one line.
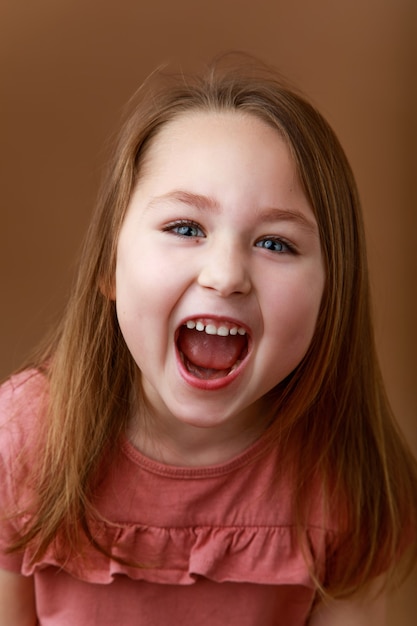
[[184, 228]]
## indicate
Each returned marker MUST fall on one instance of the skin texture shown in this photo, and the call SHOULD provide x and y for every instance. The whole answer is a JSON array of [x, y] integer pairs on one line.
[[218, 228], [17, 600], [365, 608]]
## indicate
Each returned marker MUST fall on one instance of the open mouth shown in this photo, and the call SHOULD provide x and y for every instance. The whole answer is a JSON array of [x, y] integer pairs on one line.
[[211, 350]]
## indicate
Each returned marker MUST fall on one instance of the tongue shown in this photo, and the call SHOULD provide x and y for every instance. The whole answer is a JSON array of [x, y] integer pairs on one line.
[[210, 351]]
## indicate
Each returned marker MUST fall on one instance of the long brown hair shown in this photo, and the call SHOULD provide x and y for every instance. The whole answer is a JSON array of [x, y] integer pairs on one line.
[[334, 402]]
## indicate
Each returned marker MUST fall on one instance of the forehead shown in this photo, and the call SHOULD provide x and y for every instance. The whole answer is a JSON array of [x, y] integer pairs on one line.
[[215, 135], [226, 120], [225, 160]]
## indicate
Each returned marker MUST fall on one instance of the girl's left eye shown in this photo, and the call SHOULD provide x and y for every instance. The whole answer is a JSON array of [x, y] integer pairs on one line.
[[274, 245], [184, 228]]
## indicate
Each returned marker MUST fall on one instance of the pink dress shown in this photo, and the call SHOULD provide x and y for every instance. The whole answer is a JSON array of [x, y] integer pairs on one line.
[[218, 544]]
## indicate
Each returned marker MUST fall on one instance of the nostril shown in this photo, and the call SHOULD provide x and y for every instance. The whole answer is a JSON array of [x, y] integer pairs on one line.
[[225, 277]]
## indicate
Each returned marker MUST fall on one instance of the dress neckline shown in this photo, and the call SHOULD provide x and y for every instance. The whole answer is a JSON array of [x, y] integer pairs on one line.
[[252, 452]]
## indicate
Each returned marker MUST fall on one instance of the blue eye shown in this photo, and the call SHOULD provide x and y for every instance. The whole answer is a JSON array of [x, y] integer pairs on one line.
[[185, 229], [274, 245]]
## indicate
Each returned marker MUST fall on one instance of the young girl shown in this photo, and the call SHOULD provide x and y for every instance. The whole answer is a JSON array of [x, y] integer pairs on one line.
[[205, 440]]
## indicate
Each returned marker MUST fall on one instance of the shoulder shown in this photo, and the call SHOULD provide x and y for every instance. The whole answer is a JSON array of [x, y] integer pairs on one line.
[[21, 407], [21, 394], [22, 401]]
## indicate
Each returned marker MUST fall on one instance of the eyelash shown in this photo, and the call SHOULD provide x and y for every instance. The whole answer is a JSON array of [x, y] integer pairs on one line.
[[171, 228], [174, 227], [288, 248]]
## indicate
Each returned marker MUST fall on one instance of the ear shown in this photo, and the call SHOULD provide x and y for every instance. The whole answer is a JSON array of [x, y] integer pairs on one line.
[[108, 288]]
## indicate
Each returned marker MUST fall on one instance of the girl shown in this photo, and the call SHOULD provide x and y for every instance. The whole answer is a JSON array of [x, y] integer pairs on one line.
[[205, 439]]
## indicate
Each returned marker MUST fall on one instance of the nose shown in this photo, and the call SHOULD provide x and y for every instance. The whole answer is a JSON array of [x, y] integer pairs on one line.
[[225, 269]]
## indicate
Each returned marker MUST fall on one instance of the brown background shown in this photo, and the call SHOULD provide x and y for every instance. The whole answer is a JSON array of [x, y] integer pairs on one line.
[[68, 67]]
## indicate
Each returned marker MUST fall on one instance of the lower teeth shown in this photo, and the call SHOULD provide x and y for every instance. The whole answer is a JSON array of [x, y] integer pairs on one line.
[[206, 373]]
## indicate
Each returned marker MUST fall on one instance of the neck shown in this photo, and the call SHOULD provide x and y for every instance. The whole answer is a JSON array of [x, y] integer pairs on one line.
[[177, 443]]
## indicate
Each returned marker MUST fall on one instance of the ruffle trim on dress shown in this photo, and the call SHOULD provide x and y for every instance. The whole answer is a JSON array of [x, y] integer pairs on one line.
[[180, 556]]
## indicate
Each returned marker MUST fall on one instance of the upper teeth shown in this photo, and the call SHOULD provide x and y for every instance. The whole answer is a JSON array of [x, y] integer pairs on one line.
[[212, 329]]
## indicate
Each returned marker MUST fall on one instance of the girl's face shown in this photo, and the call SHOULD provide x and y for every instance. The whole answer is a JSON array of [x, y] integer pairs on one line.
[[219, 273]]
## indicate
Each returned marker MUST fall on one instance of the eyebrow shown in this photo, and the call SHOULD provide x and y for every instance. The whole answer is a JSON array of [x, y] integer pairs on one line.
[[288, 215], [186, 197], [204, 203]]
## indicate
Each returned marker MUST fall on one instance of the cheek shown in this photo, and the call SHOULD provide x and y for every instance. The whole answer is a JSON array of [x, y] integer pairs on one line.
[[289, 330], [145, 293], [137, 275], [294, 313]]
